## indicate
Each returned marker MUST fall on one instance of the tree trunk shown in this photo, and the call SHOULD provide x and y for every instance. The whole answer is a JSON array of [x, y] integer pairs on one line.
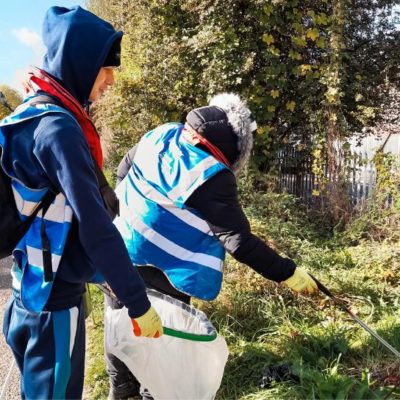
[[336, 130]]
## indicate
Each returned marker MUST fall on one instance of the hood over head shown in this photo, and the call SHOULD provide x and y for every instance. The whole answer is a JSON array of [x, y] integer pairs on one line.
[[78, 43]]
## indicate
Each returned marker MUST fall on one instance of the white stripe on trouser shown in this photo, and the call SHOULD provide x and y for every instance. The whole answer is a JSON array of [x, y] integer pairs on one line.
[[177, 251], [73, 317]]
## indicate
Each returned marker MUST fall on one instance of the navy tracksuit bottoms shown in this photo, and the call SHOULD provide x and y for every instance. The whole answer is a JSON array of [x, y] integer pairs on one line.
[[49, 348]]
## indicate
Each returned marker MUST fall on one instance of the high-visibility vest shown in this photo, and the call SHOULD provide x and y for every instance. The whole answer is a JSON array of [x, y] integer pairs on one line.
[[156, 225], [28, 269]]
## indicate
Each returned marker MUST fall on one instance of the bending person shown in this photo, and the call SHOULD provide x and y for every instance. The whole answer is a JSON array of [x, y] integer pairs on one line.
[[179, 210]]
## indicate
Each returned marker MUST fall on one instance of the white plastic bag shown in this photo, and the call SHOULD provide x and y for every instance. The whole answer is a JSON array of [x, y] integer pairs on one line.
[[171, 368]]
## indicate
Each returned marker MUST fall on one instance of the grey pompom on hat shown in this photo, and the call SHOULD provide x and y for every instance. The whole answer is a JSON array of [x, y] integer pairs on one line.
[[241, 121]]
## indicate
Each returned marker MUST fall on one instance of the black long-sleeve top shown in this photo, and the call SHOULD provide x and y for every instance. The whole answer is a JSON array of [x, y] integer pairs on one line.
[[217, 201]]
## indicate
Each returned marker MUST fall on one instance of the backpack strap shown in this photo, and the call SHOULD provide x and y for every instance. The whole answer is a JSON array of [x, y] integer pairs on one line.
[[46, 250], [44, 205], [110, 200]]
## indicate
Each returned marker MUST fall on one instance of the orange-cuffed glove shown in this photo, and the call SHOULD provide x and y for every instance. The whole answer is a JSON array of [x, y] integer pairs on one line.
[[148, 325], [301, 282]]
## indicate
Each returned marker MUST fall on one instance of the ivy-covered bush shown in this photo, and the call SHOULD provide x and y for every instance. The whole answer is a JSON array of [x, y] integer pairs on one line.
[[287, 58]]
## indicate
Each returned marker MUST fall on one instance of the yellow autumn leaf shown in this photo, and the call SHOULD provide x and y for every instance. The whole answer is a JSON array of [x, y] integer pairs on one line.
[[313, 34], [274, 50], [359, 97], [304, 68], [268, 38], [261, 130], [268, 9], [315, 192], [291, 105], [271, 108], [332, 95], [331, 99], [275, 93]]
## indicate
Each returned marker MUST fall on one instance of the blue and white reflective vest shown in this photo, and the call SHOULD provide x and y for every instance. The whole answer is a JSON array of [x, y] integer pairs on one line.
[[156, 225], [28, 272]]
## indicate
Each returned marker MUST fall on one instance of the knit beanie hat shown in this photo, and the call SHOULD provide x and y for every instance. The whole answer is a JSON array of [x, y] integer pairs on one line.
[[212, 123], [113, 58], [226, 123]]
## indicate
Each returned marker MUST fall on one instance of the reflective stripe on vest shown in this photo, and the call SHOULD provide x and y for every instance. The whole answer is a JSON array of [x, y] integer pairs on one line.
[[157, 227]]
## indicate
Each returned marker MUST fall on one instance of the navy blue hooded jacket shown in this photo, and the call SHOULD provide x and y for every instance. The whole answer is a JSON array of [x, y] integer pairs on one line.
[[52, 151]]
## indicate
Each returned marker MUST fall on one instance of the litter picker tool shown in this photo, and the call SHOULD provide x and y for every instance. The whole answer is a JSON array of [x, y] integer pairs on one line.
[[341, 304], [106, 290]]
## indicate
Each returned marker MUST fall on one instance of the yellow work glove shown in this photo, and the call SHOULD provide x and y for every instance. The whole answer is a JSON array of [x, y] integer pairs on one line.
[[301, 282], [148, 325]]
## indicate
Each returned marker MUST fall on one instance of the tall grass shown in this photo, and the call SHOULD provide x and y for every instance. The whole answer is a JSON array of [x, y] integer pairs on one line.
[[267, 325]]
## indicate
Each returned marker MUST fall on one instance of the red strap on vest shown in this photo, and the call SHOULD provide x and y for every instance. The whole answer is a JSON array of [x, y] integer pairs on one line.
[[195, 138]]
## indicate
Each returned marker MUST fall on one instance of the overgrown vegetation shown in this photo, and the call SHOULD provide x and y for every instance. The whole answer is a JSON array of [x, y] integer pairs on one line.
[[9, 100], [313, 73], [289, 59], [265, 324]]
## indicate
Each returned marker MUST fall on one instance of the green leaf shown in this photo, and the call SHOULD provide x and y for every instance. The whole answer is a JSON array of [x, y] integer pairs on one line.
[[294, 55], [297, 27], [299, 41], [321, 19], [320, 42]]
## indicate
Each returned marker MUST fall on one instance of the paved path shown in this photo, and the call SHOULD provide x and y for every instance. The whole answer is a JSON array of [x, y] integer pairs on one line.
[[6, 358]]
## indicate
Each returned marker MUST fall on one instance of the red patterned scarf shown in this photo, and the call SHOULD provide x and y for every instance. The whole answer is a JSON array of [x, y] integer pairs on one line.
[[40, 80]]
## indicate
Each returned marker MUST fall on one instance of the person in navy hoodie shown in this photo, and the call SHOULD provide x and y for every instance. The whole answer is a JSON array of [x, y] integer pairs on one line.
[[50, 149]]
